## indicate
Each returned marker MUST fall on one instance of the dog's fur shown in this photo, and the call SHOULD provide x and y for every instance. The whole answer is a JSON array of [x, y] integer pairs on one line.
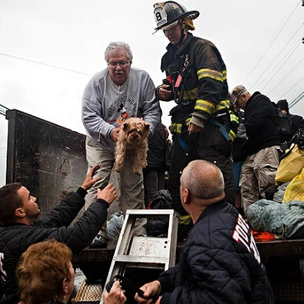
[[132, 144]]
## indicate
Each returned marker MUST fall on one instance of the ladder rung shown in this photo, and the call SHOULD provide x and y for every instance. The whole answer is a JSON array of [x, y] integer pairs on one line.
[[140, 259], [150, 212]]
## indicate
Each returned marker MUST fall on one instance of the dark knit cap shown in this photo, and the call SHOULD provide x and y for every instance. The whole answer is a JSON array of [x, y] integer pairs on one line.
[[283, 105]]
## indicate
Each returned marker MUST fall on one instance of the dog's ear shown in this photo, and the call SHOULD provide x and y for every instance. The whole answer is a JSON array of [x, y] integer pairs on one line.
[[147, 126], [125, 126]]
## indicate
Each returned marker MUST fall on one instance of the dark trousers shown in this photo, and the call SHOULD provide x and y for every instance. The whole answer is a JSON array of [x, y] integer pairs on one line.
[[154, 180], [210, 145]]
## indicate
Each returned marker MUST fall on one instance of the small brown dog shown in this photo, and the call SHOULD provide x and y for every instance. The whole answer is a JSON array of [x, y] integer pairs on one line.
[[132, 144]]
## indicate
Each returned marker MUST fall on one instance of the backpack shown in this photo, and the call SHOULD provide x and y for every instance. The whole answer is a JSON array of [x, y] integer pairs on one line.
[[283, 124], [159, 225]]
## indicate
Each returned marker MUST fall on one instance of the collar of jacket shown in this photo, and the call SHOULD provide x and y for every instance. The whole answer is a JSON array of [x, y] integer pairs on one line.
[[177, 50], [253, 96], [211, 208]]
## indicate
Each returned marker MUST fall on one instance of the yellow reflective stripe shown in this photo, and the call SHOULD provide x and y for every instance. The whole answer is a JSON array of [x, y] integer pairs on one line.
[[224, 74], [223, 104], [208, 107], [184, 220], [203, 73], [204, 105], [234, 118], [232, 135], [176, 128], [191, 94]]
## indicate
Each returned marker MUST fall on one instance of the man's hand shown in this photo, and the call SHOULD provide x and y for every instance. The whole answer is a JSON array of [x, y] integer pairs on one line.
[[115, 133], [151, 290], [115, 296], [164, 92], [192, 129], [108, 193], [89, 180]]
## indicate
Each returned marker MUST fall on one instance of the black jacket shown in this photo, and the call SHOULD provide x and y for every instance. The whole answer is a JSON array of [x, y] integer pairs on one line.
[[297, 122], [219, 263], [203, 89], [259, 123], [16, 238]]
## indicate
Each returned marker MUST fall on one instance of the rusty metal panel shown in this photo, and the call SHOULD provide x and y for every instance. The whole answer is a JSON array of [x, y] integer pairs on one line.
[[46, 158]]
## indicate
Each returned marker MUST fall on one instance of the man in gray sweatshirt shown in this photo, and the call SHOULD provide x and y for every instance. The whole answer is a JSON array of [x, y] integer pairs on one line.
[[113, 95]]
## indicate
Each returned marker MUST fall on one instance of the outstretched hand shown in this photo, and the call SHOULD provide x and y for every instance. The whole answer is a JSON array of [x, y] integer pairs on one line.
[[108, 193], [89, 180]]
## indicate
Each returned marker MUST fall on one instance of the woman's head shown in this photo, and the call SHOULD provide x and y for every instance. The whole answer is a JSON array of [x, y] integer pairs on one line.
[[45, 273]]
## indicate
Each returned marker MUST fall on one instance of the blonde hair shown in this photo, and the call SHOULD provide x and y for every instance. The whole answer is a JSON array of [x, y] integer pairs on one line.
[[188, 24]]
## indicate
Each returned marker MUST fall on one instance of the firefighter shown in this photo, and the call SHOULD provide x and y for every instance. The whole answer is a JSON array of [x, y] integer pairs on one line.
[[203, 124]]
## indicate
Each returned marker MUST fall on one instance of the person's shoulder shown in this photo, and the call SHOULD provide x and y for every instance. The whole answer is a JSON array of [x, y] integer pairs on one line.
[[223, 212], [295, 116], [203, 42], [139, 73], [99, 75], [219, 212], [258, 94], [219, 221], [21, 235], [137, 70], [259, 97]]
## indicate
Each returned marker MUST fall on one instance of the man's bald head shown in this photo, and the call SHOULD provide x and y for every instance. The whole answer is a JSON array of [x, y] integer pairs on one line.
[[203, 179]]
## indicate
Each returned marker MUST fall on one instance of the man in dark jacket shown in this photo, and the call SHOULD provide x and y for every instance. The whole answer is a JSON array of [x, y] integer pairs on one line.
[[262, 147], [219, 262], [296, 121], [19, 212]]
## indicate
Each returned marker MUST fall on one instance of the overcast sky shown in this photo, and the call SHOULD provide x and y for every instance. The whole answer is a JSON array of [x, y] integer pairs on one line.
[[49, 49]]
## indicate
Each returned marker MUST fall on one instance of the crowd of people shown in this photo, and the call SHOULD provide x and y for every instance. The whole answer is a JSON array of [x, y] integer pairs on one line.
[[223, 157]]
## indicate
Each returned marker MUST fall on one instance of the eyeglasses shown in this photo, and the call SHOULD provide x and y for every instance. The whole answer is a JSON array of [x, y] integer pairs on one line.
[[116, 63]]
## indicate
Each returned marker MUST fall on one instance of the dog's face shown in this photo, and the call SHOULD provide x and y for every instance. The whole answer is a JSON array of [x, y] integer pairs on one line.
[[135, 130]]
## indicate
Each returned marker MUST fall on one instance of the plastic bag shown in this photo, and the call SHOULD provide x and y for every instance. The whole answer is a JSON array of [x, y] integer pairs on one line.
[[295, 189], [290, 166]]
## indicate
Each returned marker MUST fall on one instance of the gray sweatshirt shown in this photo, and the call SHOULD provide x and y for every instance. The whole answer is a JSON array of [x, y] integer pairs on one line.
[[105, 106]]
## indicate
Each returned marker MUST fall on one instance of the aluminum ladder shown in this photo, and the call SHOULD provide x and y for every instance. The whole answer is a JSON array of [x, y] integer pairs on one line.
[[143, 251]]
